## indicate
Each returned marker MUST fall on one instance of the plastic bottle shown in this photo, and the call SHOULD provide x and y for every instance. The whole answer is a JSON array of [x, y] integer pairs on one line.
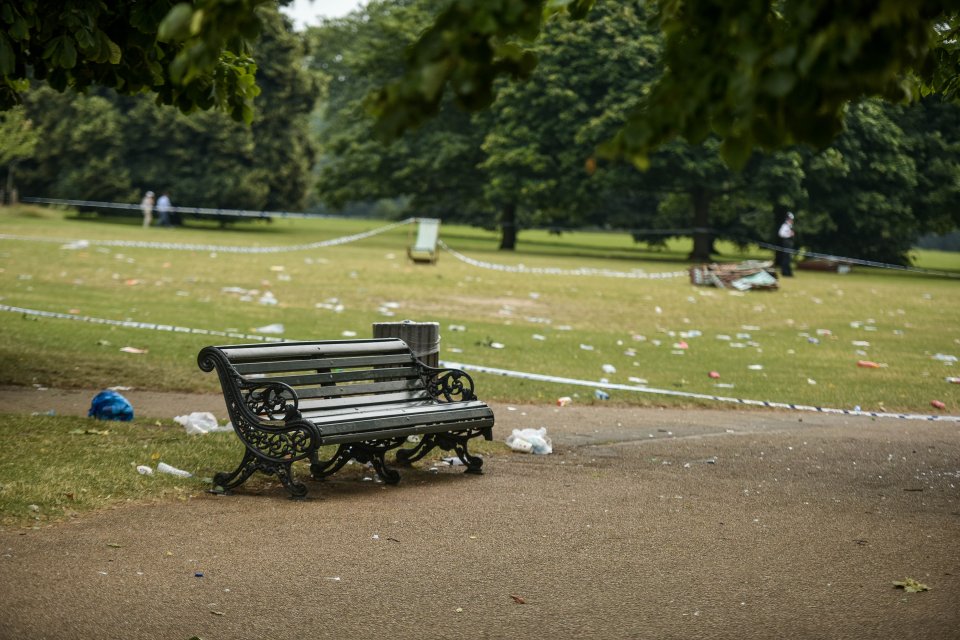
[[600, 394]]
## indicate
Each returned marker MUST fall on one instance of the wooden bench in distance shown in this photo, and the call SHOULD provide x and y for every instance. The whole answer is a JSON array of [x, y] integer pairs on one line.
[[288, 399]]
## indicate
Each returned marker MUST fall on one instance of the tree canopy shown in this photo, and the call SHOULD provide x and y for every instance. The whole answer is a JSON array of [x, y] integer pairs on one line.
[[194, 55], [763, 74]]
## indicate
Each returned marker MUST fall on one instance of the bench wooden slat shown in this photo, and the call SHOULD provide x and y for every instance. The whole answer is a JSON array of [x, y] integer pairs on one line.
[[361, 420], [341, 377], [357, 392], [329, 348], [323, 363], [354, 413], [363, 401]]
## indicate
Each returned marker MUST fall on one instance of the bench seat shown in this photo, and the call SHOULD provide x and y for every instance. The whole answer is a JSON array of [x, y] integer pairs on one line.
[[287, 400]]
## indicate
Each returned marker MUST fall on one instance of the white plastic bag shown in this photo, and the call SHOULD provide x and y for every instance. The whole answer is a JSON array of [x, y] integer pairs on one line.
[[200, 422], [530, 441]]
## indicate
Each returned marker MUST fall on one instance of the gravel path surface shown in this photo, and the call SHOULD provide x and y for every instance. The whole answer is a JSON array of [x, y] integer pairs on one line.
[[643, 523]]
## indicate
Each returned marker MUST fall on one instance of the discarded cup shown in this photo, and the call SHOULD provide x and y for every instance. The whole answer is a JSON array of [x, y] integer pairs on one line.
[[163, 467], [937, 404]]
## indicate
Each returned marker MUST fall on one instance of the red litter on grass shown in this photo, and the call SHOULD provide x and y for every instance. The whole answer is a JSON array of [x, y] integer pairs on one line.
[[937, 404], [714, 375], [867, 364]]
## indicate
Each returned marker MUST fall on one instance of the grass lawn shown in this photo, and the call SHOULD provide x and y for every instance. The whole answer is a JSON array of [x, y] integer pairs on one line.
[[800, 344]]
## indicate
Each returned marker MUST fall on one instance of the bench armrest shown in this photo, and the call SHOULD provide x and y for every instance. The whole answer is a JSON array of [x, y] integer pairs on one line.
[[265, 414], [447, 385]]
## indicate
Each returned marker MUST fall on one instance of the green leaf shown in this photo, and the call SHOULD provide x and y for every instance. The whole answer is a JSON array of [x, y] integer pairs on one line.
[[176, 25], [911, 586]]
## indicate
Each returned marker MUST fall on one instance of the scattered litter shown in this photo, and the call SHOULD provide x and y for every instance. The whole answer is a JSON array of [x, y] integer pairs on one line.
[[457, 327], [79, 244], [349, 334], [144, 470], [268, 299], [860, 343], [518, 599], [564, 401], [911, 586], [163, 467], [636, 380], [755, 367], [496, 345], [937, 404], [586, 347], [200, 422], [530, 441], [600, 394], [953, 379], [133, 350], [453, 461], [110, 405], [942, 357], [270, 328], [723, 385], [869, 364], [811, 381], [609, 368], [537, 336]]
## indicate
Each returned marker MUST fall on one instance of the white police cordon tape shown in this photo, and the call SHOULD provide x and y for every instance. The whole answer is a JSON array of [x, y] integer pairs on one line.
[[857, 261], [685, 394], [553, 271], [178, 246], [130, 324], [205, 211]]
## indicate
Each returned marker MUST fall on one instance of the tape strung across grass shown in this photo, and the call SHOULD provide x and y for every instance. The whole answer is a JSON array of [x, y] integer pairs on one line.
[[553, 271], [130, 324], [179, 246], [686, 394]]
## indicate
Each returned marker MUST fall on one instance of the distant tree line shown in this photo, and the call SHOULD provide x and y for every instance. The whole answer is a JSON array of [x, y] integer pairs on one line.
[[103, 146], [531, 158]]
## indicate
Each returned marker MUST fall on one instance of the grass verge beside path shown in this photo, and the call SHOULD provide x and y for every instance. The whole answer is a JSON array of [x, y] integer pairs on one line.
[[53, 468]]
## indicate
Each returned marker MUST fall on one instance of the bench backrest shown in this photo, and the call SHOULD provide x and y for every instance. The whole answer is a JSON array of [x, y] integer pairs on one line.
[[334, 374]]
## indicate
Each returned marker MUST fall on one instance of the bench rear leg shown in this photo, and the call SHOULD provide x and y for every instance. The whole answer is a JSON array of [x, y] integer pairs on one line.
[[250, 464], [456, 442]]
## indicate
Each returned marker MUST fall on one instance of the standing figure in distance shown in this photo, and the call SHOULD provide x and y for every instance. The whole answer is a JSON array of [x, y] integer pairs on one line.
[[163, 208], [786, 241], [147, 206]]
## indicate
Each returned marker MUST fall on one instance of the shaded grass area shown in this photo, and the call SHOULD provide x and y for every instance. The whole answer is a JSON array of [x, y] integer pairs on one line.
[[54, 468]]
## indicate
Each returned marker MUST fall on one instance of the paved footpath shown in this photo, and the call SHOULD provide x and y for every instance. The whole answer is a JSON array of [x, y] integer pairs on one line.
[[643, 523]]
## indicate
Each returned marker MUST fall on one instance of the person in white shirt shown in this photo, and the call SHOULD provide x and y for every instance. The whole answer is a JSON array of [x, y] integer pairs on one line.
[[786, 241], [147, 206]]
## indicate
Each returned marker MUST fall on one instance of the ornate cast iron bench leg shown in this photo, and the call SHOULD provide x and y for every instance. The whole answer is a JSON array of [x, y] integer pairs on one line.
[[456, 442], [250, 463]]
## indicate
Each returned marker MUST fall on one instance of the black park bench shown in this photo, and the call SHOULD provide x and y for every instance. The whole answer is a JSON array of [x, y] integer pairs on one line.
[[286, 400]]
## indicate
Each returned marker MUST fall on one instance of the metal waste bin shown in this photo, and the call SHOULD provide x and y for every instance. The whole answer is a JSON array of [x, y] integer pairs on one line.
[[423, 338]]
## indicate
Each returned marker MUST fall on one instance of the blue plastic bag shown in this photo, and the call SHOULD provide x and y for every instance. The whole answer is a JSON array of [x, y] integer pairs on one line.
[[110, 405]]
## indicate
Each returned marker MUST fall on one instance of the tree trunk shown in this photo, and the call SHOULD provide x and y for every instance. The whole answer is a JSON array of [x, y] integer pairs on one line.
[[508, 227], [702, 237]]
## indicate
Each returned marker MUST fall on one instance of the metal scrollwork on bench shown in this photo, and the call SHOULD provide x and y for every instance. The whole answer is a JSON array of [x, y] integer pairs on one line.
[[275, 400], [451, 385]]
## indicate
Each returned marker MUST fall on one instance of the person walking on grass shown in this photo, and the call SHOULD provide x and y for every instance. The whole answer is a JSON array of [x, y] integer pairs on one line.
[[786, 242], [164, 208], [146, 205]]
